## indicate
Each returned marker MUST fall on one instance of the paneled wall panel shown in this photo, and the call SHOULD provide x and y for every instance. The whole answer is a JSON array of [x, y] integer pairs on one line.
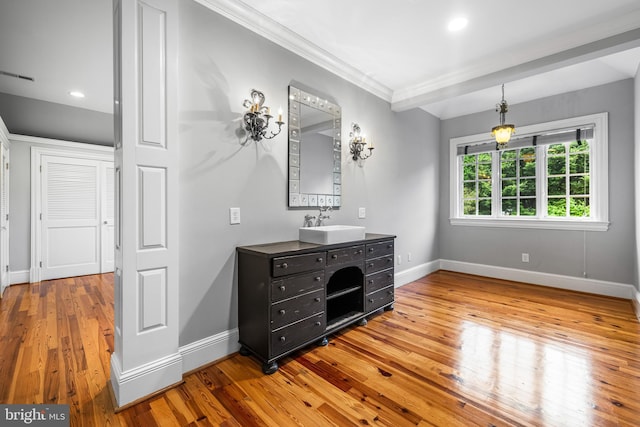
[[152, 294], [153, 207]]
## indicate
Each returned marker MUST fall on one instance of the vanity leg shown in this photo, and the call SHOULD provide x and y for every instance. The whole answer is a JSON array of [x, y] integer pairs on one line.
[[362, 322], [324, 341], [388, 308], [269, 368], [244, 351]]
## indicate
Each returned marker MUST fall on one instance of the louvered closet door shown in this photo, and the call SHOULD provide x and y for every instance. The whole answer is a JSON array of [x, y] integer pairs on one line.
[[70, 217]]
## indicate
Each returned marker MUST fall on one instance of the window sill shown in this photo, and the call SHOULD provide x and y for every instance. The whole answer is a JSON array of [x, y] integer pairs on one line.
[[546, 224]]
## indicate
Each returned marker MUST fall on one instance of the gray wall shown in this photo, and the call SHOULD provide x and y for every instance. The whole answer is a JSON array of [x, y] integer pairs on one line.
[[611, 254], [26, 116], [637, 177], [220, 62]]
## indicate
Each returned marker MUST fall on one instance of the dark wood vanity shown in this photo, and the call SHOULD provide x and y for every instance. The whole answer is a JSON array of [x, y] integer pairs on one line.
[[292, 294]]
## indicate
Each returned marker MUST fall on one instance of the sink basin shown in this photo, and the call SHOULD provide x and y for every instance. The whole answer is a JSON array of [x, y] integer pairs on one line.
[[328, 234]]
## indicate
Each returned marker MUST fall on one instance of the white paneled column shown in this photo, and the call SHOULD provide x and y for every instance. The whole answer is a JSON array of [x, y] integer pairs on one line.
[[146, 357]]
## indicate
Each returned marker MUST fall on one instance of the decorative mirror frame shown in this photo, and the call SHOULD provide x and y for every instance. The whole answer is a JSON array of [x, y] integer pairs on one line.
[[297, 98]]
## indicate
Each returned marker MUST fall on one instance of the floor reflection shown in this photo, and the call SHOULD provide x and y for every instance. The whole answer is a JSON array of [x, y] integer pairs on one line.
[[550, 381]]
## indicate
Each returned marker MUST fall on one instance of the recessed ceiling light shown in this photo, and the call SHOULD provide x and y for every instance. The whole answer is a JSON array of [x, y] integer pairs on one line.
[[76, 94], [457, 24]]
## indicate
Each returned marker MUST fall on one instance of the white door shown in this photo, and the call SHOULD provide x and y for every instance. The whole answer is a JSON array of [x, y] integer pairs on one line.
[[4, 219], [108, 225], [70, 217]]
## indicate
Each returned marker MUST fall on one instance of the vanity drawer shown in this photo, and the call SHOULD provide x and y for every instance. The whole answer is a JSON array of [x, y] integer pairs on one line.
[[294, 309], [285, 265], [297, 285], [378, 264], [378, 299], [297, 334], [378, 281], [341, 256], [376, 250]]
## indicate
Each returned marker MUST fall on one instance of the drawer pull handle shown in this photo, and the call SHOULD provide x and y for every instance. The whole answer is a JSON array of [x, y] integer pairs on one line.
[[371, 265], [283, 339], [359, 252], [282, 288], [318, 323], [370, 299], [284, 265], [317, 278], [390, 292], [316, 299], [371, 282], [334, 256], [319, 259], [371, 249], [389, 246], [389, 259], [389, 275], [281, 312]]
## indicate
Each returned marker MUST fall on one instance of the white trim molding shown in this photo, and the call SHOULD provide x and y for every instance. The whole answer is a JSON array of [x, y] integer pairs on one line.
[[207, 350], [247, 17], [599, 287], [21, 276], [636, 305], [143, 380], [412, 274]]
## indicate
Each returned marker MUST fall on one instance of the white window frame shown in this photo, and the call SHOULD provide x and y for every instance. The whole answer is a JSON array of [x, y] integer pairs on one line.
[[599, 179]]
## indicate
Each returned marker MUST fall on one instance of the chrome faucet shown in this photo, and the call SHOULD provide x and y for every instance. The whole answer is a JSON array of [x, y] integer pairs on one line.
[[308, 220], [321, 216]]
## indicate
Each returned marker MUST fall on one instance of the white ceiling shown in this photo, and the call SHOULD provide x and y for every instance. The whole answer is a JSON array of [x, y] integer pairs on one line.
[[401, 50]]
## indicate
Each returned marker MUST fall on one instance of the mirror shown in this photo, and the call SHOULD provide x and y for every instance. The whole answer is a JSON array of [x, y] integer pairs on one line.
[[315, 150]]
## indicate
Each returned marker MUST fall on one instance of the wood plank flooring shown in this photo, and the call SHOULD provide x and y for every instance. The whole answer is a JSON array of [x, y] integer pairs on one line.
[[458, 350]]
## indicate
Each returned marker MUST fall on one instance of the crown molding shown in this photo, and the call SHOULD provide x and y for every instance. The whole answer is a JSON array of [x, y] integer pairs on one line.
[[261, 24]]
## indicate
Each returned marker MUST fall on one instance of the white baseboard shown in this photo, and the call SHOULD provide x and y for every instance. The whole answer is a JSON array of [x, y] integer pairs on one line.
[[21, 276], [407, 276], [636, 305], [210, 349], [599, 287], [143, 381]]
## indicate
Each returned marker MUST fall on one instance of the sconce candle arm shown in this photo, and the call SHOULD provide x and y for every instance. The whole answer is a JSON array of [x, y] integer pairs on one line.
[[257, 119]]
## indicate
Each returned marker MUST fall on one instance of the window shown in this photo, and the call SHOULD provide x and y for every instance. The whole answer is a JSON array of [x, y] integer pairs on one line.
[[553, 175]]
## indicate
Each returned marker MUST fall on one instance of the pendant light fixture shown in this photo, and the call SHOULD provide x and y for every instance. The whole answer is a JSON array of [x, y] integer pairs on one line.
[[502, 133]]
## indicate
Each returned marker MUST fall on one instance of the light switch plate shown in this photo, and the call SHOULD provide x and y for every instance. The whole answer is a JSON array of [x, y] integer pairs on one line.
[[362, 213], [234, 216]]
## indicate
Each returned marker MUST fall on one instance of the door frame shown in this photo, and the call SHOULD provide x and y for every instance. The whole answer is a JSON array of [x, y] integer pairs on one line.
[[67, 149], [5, 144]]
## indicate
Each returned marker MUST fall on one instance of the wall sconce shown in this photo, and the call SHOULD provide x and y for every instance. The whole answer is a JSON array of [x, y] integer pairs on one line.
[[358, 144], [502, 133], [256, 120]]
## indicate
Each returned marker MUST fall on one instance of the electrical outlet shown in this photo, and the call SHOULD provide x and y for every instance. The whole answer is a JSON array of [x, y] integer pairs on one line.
[[399, 259], [362, 213], [234, 216], [409, 257], [525, 257]]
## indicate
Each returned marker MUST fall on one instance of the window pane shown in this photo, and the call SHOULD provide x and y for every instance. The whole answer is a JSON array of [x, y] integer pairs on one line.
[[509, 187], [484, 207], [556, 165], [579, 206], [581, 146], [556, 149], [557, 186], [469, 172], [485, 189], [557, 207], [579, 185], [509, 169], [469, 207], [508, 155], [509, 207], [528, 207], [470, 159], [528, 167], [470, 190], [528, 187], [579, 163], [484, 171]]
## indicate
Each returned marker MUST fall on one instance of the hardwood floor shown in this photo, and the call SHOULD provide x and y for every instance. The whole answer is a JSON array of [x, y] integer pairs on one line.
[[458, 350]]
